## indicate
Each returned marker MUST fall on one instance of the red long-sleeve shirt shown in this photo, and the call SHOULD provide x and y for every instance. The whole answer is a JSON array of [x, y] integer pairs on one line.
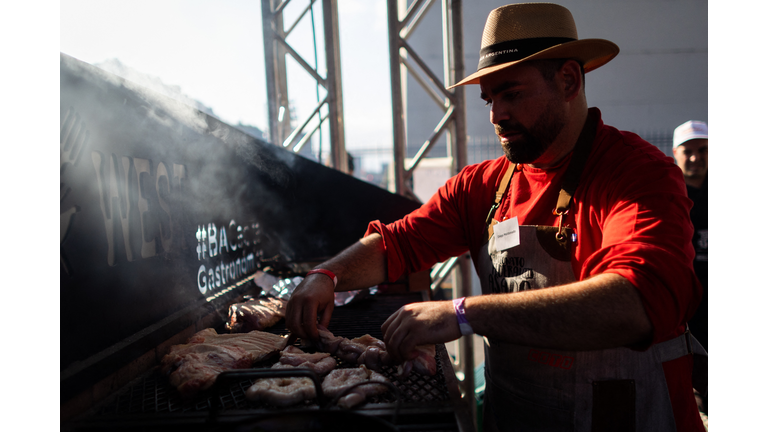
[[630, 214]]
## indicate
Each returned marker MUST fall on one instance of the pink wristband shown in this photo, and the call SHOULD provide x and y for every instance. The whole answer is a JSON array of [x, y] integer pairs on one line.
[[327, 273], [458, 306]]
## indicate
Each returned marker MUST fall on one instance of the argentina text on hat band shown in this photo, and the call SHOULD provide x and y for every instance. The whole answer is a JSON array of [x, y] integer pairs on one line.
[[509, 51]]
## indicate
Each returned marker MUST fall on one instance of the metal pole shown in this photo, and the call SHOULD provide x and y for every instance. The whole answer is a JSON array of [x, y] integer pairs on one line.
[[333, 79], [454, 54], [271, 69], [466, 347], [277, 87], [457, 73], [398, 111]]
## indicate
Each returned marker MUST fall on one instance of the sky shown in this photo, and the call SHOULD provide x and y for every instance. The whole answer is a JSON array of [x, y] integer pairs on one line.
[[214, 52]]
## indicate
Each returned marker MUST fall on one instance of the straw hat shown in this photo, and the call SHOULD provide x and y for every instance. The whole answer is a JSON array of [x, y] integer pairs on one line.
[[535, 31]]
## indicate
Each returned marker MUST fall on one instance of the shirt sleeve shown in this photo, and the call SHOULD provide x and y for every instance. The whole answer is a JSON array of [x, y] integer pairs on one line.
[[443, 227], [646, 238]]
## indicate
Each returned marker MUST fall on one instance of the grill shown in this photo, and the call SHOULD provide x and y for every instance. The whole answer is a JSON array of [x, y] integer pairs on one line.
[[150, 403], [169, 215]]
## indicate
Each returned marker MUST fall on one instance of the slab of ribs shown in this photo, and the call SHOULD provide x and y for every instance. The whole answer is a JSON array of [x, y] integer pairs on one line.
[[194, 366]]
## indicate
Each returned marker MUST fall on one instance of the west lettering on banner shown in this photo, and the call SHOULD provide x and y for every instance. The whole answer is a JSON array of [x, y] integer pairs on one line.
[[138, 205], [165, 222], [112, 184]]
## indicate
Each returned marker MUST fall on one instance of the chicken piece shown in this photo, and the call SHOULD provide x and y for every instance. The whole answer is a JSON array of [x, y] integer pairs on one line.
[[328, 342], [340, 380], [256, 314], [374, 357], [292, 349], [370, 341], [365, 349], [349, 350], [424, 363], [371, 352], [292, 357], [281, 391]]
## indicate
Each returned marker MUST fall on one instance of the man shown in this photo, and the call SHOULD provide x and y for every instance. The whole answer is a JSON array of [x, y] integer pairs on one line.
[[581, 237], [690, 148]]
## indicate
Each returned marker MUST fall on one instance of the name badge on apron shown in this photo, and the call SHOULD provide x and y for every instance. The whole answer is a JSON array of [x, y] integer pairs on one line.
[[507, 234]]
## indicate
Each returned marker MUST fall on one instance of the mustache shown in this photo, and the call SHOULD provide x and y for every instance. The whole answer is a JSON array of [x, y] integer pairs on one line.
[[506, 126]]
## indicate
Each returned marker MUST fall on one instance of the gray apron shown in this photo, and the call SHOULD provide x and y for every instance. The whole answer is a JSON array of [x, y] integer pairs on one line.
[[544, 389]]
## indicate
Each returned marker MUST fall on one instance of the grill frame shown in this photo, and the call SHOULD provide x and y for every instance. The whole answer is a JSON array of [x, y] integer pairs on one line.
[[149, 402]]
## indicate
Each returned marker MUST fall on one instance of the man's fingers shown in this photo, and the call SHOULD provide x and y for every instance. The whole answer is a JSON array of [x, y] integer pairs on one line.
[[292, 319], [395, 338], [326, 318], [392, 323], [309, 322], [389, 326], [388, 322], [408, 347]]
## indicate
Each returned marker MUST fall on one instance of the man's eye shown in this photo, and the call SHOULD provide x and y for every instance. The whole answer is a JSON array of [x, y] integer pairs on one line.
[[488, 102]]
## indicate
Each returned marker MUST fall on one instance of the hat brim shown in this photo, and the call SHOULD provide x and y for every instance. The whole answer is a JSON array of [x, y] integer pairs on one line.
[[694, 136], [591, 53]]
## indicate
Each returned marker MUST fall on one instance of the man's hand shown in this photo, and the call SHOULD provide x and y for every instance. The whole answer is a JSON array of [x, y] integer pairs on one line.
[[419, 324], [313, 296]]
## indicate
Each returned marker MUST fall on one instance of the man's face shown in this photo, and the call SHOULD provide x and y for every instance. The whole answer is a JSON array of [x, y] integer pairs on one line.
[[691, 157], [525, 111]]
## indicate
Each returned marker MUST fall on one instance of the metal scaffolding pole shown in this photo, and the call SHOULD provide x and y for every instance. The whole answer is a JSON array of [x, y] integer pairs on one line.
[[402, 20], [276, 48], [404, 59]]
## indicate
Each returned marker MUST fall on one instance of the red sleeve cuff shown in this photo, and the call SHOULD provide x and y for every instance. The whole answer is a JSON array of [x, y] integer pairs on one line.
[[395, 265]]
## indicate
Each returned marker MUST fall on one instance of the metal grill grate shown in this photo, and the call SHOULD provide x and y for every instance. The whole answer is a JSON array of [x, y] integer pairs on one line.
[[151, 394]]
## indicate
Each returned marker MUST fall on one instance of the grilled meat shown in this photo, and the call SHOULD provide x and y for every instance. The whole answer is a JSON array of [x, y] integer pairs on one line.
[[260, 344], [281, 391], [371, 352], [194, 366], [423, 364], [256, 314], [340, 380], [292, 357]]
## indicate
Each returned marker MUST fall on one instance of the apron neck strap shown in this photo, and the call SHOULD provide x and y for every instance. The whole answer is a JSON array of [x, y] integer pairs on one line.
[[578, 161], [501, 191]]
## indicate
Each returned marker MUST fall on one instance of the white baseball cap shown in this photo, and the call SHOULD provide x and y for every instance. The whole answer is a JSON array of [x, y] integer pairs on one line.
[[692, 129]]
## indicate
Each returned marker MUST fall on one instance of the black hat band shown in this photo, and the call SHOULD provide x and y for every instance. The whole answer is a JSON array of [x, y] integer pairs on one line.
[[509, 51]]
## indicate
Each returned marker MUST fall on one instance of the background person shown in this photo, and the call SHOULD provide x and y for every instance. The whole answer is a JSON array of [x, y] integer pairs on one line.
[[583, 311], [690, 147]]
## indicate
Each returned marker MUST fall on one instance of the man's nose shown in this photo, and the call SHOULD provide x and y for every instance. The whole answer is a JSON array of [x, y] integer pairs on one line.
[[498, 114]]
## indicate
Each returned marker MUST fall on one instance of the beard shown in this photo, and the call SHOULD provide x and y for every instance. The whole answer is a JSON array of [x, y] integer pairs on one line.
[[533, 141]]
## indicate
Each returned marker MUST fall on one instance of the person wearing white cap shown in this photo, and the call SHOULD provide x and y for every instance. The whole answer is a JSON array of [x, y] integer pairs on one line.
[[580, 236], [690, 146]]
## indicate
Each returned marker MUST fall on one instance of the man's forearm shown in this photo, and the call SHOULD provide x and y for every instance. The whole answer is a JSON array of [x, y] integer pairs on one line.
[[601, 312], [362, 265]]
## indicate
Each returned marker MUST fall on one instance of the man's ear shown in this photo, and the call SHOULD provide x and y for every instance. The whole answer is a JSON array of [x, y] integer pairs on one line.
[[572, 79]]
